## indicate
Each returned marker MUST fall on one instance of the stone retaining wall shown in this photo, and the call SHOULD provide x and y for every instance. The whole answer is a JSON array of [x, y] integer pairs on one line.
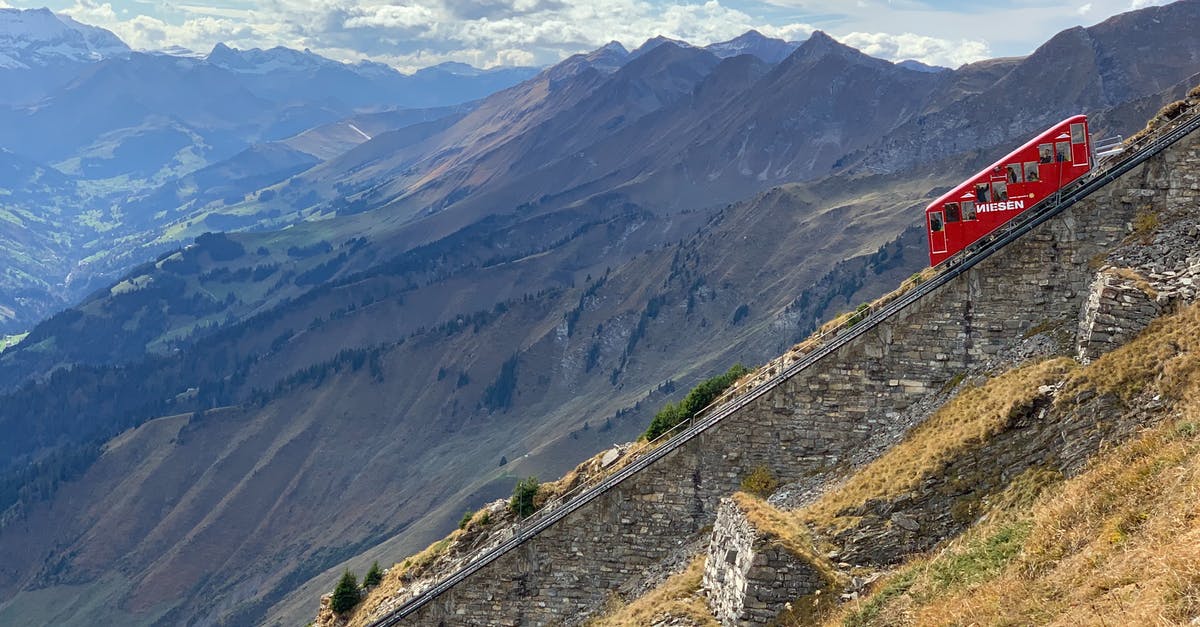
[[1117, 308], [749, 575], [812, 421]]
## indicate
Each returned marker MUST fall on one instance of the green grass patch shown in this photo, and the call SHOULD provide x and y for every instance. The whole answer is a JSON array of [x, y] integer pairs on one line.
[[981, 560], [898, 585], [11, 340]]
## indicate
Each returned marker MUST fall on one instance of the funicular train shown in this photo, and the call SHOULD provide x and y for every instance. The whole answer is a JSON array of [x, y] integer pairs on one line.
[[1000, 192]]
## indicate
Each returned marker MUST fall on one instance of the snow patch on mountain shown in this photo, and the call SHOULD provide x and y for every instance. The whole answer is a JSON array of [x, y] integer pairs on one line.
[[754, 43], [38, 37]]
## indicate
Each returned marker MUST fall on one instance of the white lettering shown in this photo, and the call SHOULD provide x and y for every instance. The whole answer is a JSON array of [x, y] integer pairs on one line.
[[1011, 205]]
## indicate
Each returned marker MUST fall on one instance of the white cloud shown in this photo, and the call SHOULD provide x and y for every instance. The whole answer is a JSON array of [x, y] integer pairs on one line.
[[415, 33], [929, 50], [215, 11], [393, 17], [788, 32], [1141, 4], [418, 32]]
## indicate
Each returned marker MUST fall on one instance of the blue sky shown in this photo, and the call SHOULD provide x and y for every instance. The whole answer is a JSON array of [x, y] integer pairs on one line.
[[410, 34]]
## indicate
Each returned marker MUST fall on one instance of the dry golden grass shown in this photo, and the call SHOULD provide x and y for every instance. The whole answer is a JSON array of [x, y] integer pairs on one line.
[[1167, 113], [1165, 358], [1117, 545], [968, 420], [1139, 281], [678, 596], [786, 530], [416, 566], [399, 576]]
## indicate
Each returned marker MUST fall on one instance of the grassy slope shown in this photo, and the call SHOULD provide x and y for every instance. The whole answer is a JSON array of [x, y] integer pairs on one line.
[[1118, 544]]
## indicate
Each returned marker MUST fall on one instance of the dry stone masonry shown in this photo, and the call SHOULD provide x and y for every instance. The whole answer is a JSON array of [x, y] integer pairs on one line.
[[819, 417], [749, 574], [1118, 307]]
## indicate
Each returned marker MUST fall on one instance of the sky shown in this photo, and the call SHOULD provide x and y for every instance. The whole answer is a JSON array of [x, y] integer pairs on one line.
[[410, 34]]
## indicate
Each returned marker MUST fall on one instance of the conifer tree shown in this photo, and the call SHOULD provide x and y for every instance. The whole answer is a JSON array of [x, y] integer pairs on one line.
[[523, 496], [373, 576], [346, 595]]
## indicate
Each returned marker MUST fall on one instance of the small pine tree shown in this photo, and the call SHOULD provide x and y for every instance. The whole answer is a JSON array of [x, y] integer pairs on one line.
[[373, 576], [346, 595], [523, 494]]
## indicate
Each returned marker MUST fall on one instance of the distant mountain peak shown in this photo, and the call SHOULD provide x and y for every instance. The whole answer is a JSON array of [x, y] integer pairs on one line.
[[754, 43], [271, 60], [655, 42], [821, 38], [179, 51], [607, 59], [454, 67], [613, 46], [32, 38], [820, 45], [913, 64], [611, 53]]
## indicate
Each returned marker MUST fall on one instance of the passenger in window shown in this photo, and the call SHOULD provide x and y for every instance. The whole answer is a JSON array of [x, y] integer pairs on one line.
[[952, 212], [1031, 172], [935, 221], [981, 193], [1062, 152], [968, 211], [999, 192], [1045, 153], [1014, 173]]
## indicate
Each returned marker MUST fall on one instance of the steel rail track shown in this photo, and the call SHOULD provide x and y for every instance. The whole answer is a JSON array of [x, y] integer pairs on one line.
[[953, 268]]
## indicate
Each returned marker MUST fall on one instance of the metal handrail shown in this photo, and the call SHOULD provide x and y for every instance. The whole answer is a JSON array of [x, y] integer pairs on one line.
[[839, 336]]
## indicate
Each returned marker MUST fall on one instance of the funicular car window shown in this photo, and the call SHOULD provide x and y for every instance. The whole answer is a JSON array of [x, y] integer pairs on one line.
[[999, 191], [1014, 173], [952, 212], [935, 222], [1031, 172], [968, 211], [1077, 134], [1045, 153], [1062, 152], [981, 193]]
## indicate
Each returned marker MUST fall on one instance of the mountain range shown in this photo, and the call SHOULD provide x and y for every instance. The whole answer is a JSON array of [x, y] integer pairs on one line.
[[317, 346], [119, 124]]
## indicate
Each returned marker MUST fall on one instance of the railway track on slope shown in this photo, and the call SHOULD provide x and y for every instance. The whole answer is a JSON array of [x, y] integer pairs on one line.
[[952, 268]]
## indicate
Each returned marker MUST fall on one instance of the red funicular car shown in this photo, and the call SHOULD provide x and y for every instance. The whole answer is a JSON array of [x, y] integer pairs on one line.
[[1003, 190]]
